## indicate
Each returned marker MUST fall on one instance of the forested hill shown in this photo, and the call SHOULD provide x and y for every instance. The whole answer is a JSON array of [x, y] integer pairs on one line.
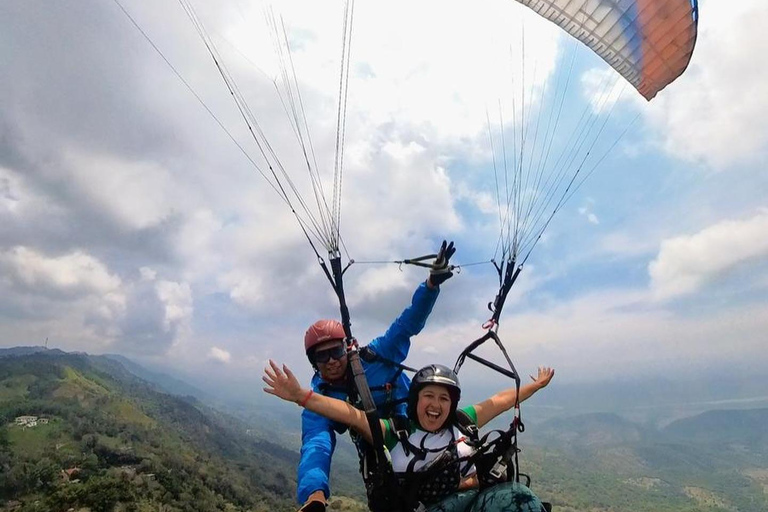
[[102, 437]]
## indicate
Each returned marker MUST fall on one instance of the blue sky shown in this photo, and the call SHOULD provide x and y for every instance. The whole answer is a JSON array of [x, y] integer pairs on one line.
[[130, 223]]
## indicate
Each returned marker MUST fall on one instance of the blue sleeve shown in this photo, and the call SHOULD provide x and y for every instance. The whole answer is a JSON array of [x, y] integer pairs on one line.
[[396, 342], [318, 441]]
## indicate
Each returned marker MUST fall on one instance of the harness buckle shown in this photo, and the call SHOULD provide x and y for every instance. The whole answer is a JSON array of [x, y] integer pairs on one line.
[[499, 470]]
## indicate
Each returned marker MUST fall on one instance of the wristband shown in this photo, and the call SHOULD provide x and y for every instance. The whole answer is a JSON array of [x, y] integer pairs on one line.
[[306, 398]]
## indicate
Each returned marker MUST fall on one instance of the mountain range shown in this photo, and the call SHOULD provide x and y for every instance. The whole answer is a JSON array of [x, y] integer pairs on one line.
[[118, 436]]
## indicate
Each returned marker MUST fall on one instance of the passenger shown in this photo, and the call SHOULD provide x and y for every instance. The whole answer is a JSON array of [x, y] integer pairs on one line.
[[325, 347], [432, 435]]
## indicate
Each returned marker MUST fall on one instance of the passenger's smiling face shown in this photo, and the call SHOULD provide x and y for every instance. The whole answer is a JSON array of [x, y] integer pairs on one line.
[[433, 407]]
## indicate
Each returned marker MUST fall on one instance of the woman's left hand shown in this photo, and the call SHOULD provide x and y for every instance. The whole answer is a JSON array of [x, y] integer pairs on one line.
[[470, 482], [545, 375], [282, 383]]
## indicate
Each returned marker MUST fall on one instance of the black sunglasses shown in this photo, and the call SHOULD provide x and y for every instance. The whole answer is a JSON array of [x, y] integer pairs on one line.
[[323, 356]]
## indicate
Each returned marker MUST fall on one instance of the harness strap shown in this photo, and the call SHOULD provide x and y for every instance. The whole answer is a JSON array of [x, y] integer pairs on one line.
[[400, 426], [467, 426]]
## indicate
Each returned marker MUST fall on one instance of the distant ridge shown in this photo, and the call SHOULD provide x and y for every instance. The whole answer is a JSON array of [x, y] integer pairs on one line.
[[746, 427], [163, 381], [25, 351], [594, 429]]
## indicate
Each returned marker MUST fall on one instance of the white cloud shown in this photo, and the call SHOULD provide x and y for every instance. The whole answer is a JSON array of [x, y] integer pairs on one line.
[[590, 216], [483, 201], [246, 290], [76, 272], [392, 84], [201, 241], [618, 333], [219, 354], [252, 362], [112, 307], [626, 243], [136, 193], [76, 299], [686, 263], [72, 299], [147, 274], [409, 185], [10, 192], [377, 281], [603, 87], [718, 110], [471, 71], [430, 349], [177, 299]]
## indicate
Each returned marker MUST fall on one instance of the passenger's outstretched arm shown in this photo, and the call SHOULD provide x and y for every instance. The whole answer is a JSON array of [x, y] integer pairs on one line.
[[505, 400], [283, 384]]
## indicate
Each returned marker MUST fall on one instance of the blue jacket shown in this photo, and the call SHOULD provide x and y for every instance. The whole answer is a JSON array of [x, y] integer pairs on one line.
[[318, 438]]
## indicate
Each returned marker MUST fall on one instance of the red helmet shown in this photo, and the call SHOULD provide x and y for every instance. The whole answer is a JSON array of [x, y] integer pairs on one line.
[[322, 331]]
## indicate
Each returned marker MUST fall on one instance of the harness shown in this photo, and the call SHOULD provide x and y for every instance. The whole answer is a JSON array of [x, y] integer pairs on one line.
[[411, 490], [494, 456], [441, 477]]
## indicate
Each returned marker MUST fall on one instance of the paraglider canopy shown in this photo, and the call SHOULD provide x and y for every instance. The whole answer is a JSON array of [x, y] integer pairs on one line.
[[649, 42]]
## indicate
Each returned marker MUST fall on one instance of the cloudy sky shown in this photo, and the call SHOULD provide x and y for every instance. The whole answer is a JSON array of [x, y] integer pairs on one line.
[[131, 223]]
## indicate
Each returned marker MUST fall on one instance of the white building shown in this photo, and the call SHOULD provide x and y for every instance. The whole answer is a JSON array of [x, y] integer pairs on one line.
[[26, 420]]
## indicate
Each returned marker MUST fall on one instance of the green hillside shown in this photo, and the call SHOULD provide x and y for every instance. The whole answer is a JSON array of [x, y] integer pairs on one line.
[[111, 442], [601, 462]]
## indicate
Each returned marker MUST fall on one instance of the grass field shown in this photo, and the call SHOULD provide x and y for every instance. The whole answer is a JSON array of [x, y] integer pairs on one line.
[[36, 441], [127, 412], [15, 387]]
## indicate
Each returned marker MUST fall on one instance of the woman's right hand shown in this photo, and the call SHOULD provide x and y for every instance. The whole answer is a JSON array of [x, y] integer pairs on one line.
[[282, 383]]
